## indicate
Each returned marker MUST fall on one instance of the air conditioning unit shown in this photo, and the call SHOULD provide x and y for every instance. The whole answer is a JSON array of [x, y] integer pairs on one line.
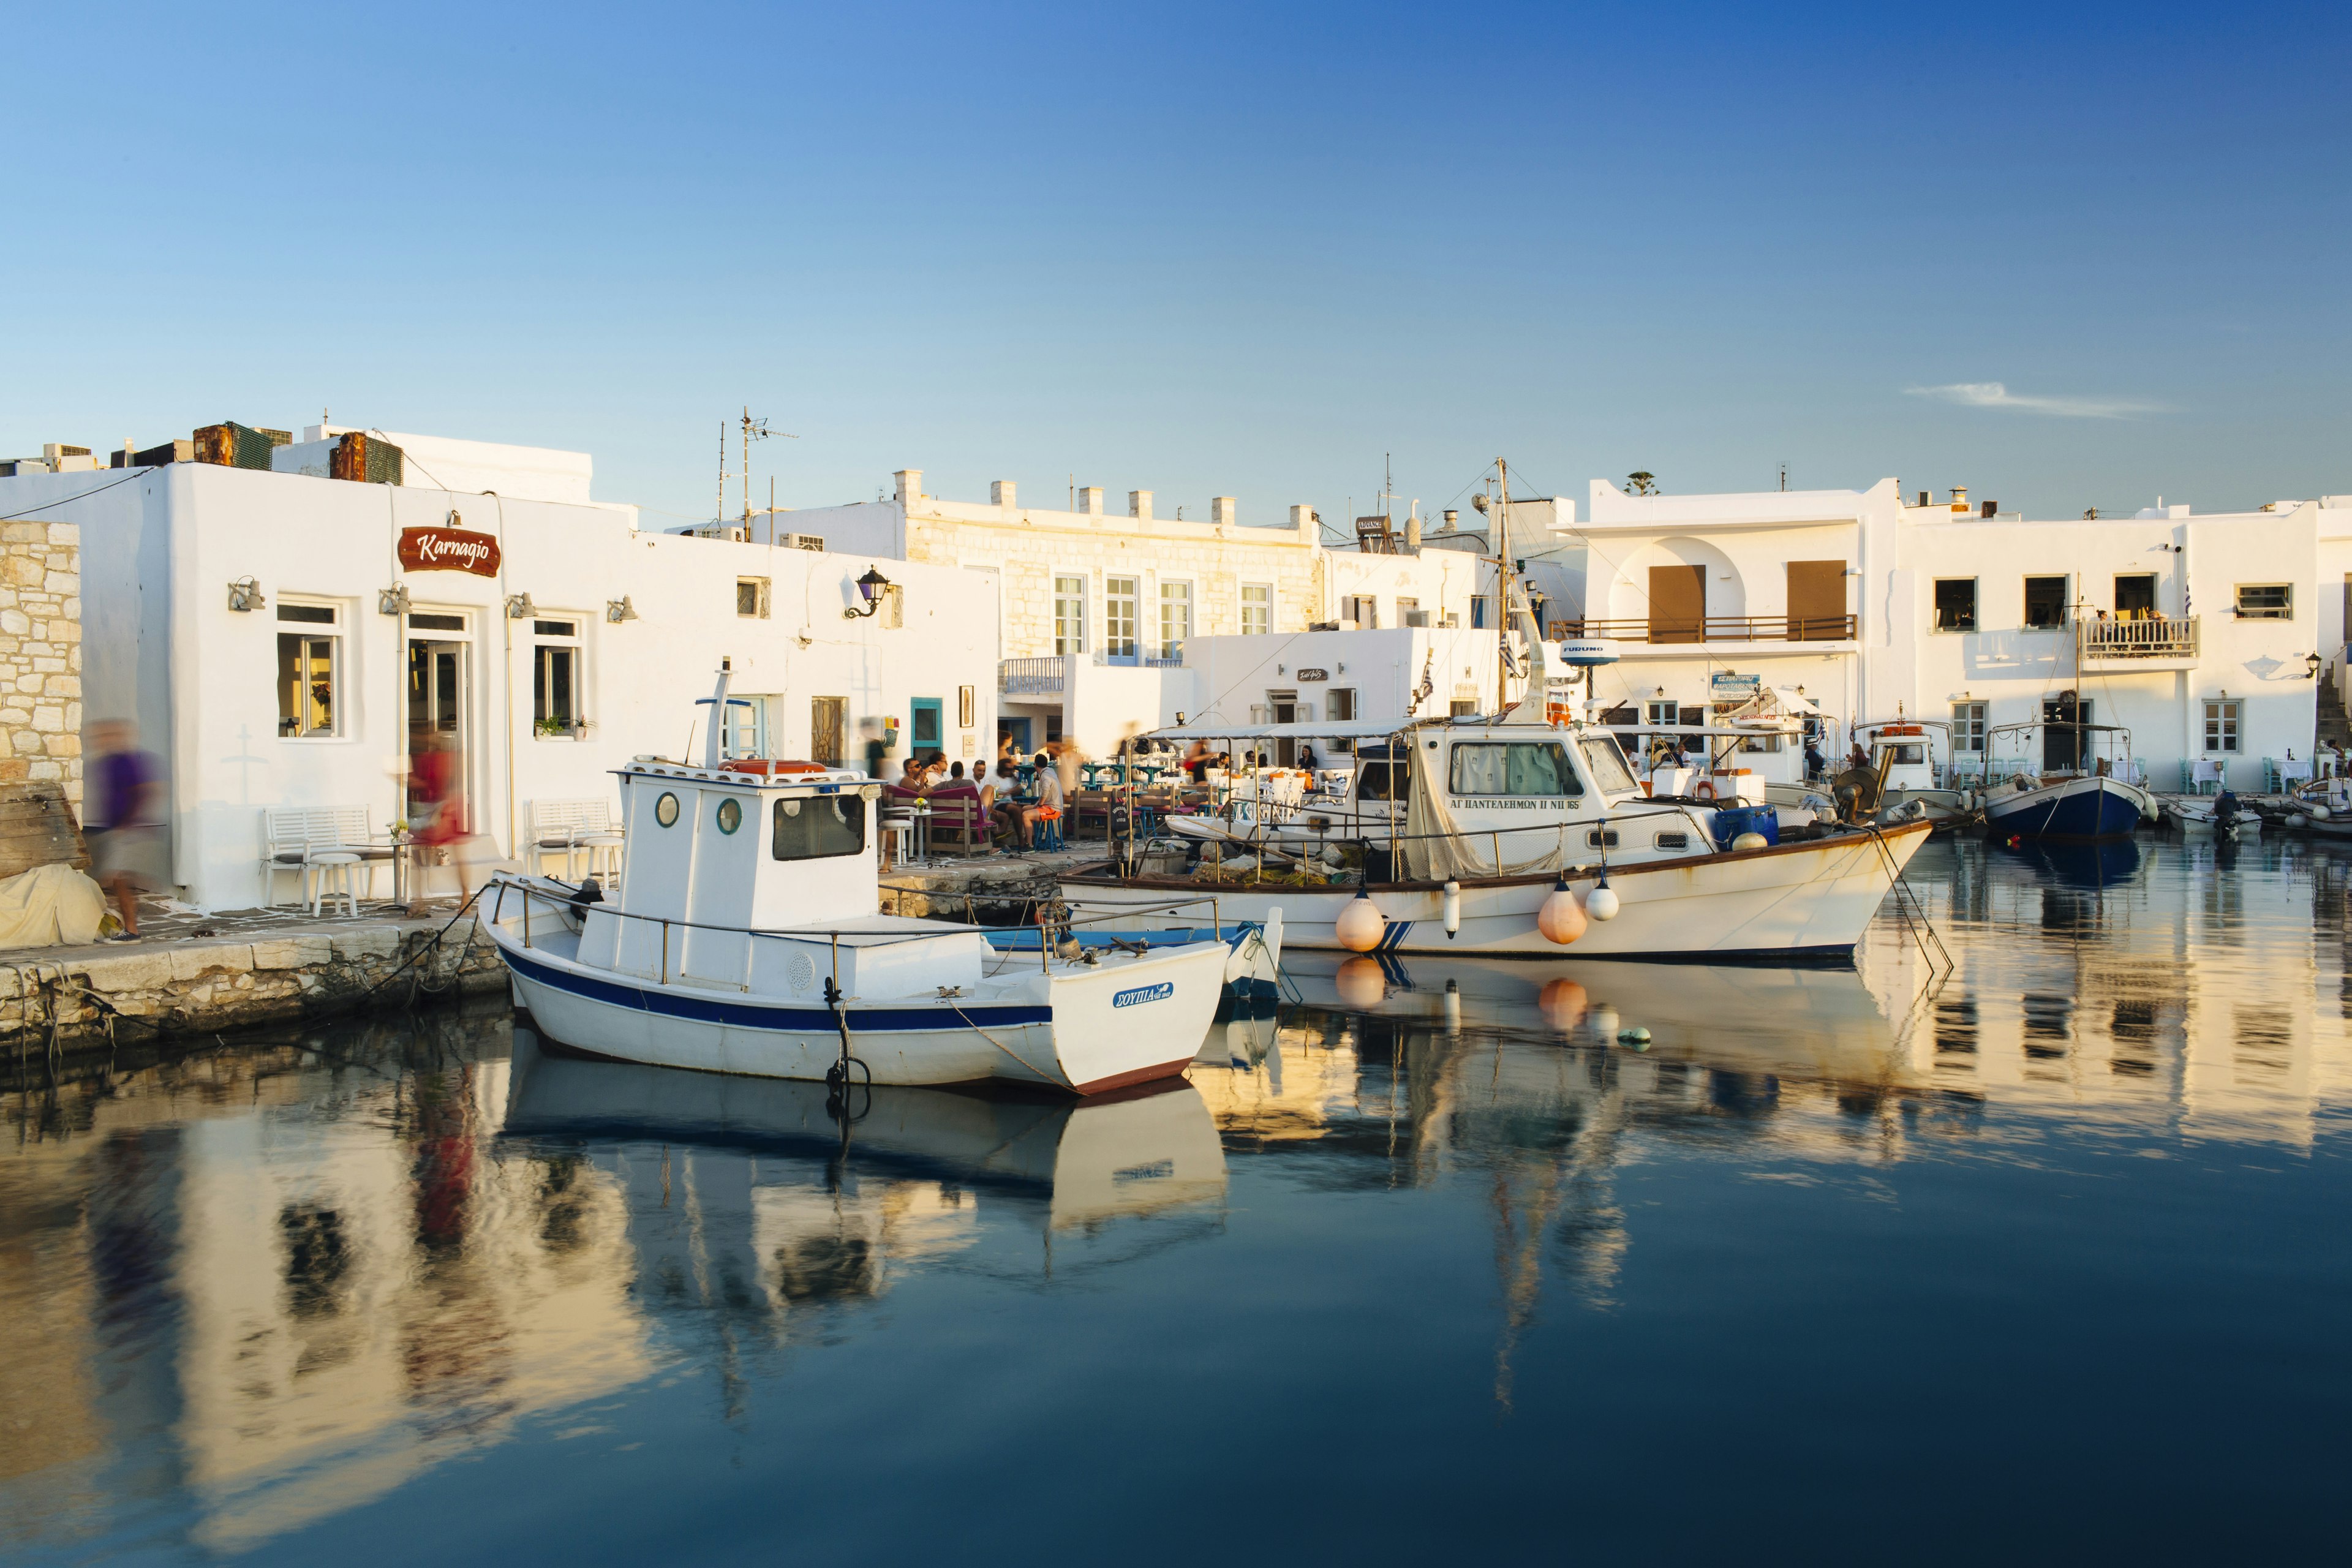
[[806, 542], [718, 531]]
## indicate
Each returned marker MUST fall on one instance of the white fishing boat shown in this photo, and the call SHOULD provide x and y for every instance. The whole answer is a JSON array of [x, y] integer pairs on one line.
[[1523, 833], [749, 938], [1903, 760]]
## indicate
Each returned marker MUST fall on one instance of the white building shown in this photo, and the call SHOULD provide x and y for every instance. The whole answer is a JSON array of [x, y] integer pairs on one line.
[[253, 624], [2200, 635], [1099, 606]]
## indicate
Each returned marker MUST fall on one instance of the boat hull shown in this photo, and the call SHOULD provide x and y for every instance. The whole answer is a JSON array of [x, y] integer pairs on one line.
[[1082, 1033], [2072, 808], [1799, 900]]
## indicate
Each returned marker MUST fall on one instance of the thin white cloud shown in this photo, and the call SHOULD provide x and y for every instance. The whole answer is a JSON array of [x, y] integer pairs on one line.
[[1995, 394]]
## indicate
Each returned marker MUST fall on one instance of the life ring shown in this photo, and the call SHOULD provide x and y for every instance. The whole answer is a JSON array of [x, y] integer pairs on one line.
[[1703, 790]]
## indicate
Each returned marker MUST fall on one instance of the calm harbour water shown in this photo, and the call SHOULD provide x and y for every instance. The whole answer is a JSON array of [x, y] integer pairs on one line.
[[2049, 1259]]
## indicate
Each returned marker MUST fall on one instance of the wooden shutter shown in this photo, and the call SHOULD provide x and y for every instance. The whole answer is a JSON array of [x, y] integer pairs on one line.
[[1817, 601], [1677, 604]]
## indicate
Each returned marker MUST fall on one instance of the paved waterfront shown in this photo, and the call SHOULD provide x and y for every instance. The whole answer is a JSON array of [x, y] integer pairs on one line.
[[2046, 1261]]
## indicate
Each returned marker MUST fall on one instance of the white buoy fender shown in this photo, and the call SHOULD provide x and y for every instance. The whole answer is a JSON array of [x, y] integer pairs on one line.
[[2320, 813], [1360, 926], [2298, 820], [1752, 841], [1453, 907], [1602, 902], [1558, 919]]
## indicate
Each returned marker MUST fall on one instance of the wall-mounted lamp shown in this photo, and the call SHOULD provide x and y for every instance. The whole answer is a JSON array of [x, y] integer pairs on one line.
[[1343, 666], [2311, 665], [1282, 669], [1180, 719], [519, 608], [245, 593], [1662, 691], [869, 588], [619, 610], [392, 601]]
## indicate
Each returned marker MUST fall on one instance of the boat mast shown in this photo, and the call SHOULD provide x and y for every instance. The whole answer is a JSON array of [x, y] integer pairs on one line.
[[1502, 589]]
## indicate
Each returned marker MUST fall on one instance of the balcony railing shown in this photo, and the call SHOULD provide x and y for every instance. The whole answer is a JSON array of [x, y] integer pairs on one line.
[[1032, 676], [1712, 628], [2148, 638]]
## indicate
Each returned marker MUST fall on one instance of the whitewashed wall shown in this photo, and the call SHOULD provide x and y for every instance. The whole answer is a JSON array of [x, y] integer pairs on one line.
[[201, 676]]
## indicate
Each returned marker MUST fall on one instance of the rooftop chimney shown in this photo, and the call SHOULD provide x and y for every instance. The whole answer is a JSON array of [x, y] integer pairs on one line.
[[1305, 523], [1000, 493], [1960, 498], [910, 486], [1138, 504], [1990, 509], [1222, 510], [1454, 517], [1413, 534], [1923, 498], [1090, 501]]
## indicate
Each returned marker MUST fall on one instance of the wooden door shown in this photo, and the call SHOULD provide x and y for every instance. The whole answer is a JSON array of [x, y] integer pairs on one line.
[[827, 717], [1816, 601], [1677, 604]]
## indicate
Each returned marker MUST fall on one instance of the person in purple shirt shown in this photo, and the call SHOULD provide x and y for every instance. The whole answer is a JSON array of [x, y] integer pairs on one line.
[[126, 819]]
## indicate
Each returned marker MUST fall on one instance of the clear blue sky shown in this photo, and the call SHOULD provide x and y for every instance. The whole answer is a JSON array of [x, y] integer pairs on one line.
[[1206, 249]]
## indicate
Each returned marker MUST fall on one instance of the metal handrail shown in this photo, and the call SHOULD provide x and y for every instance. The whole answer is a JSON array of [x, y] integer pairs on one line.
[[1657, 629]]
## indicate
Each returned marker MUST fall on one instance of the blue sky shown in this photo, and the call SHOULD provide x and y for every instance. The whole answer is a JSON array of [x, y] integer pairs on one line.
[[1207, 249]]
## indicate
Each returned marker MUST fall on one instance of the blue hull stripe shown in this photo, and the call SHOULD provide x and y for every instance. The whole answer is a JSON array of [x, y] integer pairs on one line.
[[1394, 938], [780, 1019], [2085, 813]]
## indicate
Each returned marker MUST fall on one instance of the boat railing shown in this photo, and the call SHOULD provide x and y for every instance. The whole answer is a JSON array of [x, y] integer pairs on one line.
[[1064, 922]]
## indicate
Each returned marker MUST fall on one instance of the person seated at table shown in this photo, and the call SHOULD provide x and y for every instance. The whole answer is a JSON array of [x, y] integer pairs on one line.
[[1049, 800], [915, 776], [1306, 757], [985, 785]]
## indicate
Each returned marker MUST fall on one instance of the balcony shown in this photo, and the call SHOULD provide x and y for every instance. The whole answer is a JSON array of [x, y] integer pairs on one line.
[[1657, 629], [2142, 642], [1032, 676]]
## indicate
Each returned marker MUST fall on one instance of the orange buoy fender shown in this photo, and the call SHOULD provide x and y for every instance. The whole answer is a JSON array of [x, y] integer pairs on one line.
[[1558, 919], [1360, 925]]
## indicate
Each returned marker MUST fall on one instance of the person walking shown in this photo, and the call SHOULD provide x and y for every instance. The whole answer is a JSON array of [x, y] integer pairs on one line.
[[128, 824]]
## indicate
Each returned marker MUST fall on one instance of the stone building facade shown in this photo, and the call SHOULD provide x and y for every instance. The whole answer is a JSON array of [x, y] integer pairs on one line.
[[40, 656]]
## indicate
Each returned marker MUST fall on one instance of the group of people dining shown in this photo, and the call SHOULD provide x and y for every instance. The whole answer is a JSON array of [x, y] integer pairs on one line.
[[930, 776]]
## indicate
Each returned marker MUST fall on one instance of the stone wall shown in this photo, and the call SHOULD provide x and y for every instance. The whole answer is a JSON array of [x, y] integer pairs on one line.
[[40, 656], [203, 985]]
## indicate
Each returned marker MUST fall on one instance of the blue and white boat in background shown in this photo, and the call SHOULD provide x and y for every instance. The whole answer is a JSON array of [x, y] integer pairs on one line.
[[749, 938], [2075, 794]]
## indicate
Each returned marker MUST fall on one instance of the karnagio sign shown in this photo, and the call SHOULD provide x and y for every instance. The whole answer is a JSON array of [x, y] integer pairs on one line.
[[448, 550]]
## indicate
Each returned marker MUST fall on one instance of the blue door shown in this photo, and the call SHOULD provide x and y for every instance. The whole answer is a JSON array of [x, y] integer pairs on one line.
[[926, 734]]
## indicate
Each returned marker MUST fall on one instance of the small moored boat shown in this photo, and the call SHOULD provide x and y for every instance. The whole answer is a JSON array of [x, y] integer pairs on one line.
[[749, 938]]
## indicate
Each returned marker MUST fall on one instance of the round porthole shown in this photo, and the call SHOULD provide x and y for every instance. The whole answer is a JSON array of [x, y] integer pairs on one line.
[[666, 809], [731, 815]]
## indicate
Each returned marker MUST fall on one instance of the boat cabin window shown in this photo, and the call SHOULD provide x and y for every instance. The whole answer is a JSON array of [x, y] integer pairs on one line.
[[1672, 840], [818, 828], [1610, 773], [1600, 838], [1907, 753], [1375, 781], [1515, 768]]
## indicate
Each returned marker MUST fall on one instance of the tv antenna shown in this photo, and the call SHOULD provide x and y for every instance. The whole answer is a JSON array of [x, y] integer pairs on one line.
[[754, 430]]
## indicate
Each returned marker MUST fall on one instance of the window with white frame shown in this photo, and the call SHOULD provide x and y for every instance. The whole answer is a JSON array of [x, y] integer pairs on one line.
[[1364, 609], [1258, 609], [309, 671], [1175, 617], [556, 706], [2266, 601], [1120, 613], [2222, 726], [1069, 615], [1967, 726], [1339, 704]]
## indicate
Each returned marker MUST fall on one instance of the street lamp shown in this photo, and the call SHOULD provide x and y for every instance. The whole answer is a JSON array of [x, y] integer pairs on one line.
[[869, 588]]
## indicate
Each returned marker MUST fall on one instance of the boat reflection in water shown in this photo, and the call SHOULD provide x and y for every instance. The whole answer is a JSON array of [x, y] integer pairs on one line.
[[1063, 1162]]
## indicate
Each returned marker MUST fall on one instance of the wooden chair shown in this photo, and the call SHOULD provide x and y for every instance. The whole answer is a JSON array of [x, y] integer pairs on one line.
[[957, 822], [293, 836]]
